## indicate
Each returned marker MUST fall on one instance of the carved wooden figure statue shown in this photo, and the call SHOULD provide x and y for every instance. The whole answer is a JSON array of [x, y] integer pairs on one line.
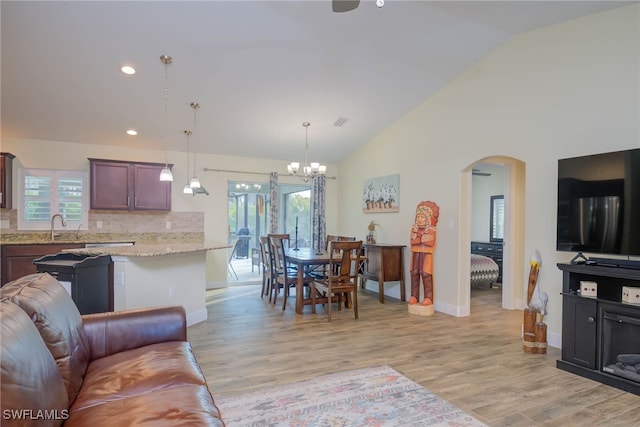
[[534, 338], [423, 244]]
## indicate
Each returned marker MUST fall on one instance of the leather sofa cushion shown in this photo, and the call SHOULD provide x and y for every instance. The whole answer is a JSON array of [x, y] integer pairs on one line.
[[59, 322], [186, 405], [30, 378], [113, 332], [139, 371]]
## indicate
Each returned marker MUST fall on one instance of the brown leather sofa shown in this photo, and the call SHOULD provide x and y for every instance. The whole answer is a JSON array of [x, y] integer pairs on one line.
[[128, 368]]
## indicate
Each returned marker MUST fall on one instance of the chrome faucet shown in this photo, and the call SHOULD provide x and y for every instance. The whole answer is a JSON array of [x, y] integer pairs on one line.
[[64, 224]]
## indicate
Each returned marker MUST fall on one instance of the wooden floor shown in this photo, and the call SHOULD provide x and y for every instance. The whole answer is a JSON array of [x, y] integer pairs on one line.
[[476, 362]]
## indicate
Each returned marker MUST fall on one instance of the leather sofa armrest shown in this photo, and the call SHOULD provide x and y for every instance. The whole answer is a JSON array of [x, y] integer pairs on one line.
[[113, 332]]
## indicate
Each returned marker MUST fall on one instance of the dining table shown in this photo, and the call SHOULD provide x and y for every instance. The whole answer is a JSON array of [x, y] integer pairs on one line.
[[305, 259]]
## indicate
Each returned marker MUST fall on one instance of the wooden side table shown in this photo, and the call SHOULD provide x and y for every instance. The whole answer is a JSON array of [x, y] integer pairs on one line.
[[385, 263]]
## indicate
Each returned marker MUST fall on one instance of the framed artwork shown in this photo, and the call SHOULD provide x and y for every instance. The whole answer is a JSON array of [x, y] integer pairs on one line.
[[381, 194]]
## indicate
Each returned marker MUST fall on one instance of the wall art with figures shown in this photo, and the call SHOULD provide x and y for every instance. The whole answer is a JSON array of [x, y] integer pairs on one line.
[[381, 194]]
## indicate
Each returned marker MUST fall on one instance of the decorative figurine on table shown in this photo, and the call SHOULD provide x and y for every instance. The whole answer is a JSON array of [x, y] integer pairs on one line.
[[370, 237], [423, 244]]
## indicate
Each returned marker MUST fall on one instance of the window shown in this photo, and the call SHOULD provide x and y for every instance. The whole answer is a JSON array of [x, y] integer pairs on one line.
[[248, 210], [297, 211], [497, 219], [46, 192]]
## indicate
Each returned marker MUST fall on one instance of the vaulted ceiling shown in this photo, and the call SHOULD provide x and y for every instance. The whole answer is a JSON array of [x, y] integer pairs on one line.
[[257, 68]]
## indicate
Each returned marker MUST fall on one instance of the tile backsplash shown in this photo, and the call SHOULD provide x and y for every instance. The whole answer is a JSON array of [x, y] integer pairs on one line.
[[144, 225]]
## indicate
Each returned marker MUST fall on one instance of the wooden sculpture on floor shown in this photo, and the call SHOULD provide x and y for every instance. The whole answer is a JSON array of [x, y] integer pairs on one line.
[[534, 339], [423, 244]]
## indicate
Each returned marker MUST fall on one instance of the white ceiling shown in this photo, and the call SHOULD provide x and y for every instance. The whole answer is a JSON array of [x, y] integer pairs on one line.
[[258, 68]]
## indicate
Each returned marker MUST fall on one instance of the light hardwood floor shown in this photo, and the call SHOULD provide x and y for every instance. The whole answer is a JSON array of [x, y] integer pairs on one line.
[[475, 362]]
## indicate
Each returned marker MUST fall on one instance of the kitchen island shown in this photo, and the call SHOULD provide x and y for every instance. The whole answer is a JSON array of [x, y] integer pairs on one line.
[[158, 274]]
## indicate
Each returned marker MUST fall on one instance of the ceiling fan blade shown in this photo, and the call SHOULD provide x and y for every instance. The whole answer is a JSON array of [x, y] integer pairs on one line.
[[344, 5], [478, 172]]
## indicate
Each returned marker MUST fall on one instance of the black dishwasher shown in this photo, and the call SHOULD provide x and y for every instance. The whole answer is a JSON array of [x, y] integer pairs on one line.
[[86, 278]]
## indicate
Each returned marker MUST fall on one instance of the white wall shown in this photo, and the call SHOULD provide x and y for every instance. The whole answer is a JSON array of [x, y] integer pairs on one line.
[[65, 155], [565, 90]]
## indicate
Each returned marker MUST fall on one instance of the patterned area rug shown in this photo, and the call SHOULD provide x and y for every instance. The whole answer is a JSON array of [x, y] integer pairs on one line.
[[376, 396]]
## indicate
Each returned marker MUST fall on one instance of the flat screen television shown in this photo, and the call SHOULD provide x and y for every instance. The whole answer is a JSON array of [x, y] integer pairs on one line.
[[599, 203]]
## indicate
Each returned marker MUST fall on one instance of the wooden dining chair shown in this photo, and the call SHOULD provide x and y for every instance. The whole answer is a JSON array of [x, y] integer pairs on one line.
[[230, 269], [283, 236], [342, 278], [267, 266], [330, 238], [285, 278], [321, 273]]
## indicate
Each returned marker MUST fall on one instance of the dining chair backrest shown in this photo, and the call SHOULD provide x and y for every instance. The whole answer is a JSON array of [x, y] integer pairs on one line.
[[265, 251], [267, 265], [344, 260], [283, 236], [334, 238], [279, 259], [330, 238]]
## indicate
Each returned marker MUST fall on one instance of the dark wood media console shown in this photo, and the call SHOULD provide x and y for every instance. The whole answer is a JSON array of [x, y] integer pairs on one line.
[[595, 329]]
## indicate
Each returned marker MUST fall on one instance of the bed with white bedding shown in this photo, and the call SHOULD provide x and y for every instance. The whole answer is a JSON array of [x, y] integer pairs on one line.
[[484, 271]]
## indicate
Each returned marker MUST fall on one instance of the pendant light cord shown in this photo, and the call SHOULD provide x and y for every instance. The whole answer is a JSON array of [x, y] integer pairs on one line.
[[166, 113]]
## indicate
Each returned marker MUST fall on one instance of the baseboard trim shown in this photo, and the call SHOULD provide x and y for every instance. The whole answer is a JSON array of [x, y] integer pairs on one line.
[[217, 284], [197, 317]]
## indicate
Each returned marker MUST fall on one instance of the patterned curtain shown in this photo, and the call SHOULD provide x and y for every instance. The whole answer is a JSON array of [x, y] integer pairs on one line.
[[317, 212], [273, 196]]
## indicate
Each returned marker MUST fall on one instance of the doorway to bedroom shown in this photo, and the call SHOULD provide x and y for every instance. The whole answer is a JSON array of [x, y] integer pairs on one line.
[[487, 234], [512, 207]]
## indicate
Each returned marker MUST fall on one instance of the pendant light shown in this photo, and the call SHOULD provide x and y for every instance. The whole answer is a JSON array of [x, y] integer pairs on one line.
[[195, 182], [166, 174], [308, 169], [187, 188]]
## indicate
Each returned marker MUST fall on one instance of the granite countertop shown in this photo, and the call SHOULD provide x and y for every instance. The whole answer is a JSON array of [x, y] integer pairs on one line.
[[44, 238], [150, 249]]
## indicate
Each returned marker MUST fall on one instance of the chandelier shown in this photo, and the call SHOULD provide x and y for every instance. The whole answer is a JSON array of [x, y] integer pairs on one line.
[[309, 170], [166, 174]]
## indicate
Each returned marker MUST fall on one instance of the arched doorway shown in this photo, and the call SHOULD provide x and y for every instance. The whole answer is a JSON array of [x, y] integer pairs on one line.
[[513, 249]]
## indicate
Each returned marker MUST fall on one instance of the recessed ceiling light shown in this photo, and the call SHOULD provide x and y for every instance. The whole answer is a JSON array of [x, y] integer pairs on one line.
[[132, 132], [128, 69]]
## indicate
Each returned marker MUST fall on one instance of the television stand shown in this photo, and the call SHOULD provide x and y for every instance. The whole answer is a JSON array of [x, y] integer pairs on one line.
[[591, 341], [612, 262]]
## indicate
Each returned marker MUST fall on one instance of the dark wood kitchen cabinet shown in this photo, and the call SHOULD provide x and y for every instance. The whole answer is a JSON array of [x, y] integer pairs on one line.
[[17, 260], [123, 185], [6, 180]]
